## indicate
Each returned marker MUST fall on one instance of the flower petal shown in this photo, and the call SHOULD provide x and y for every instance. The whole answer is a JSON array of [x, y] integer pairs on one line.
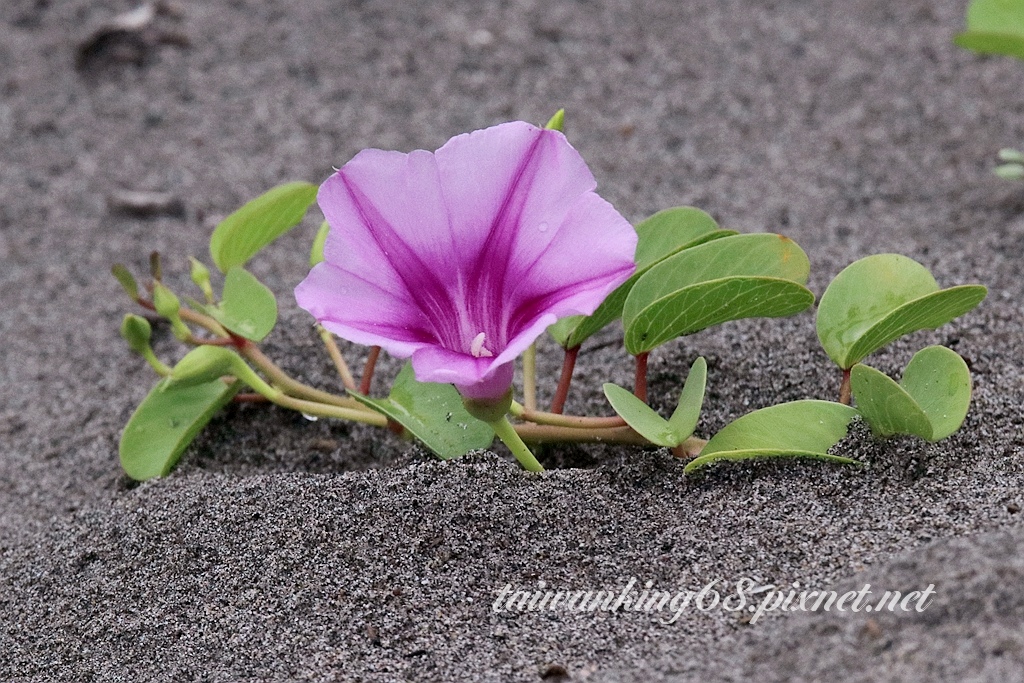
[[461, 258], [480, 378], [362, 311]]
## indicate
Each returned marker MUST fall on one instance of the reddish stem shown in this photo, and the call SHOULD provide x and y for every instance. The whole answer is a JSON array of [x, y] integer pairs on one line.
[[371, 363], [845, 391], [250, 398], [640, 385], [562, 392]]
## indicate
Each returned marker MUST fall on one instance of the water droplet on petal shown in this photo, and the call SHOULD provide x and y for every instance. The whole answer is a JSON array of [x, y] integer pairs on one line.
[[311, 418], [543, 227]]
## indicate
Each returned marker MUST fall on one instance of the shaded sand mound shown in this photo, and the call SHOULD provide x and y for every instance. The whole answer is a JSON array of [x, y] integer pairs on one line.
[[288, 550]]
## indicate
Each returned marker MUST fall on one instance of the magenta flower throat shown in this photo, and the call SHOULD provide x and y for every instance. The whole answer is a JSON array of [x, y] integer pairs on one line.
[[461, 258]]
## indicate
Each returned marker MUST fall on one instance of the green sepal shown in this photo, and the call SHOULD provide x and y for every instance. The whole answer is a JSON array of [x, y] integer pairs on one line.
[[137, 331], [557, 122], [201, 277]]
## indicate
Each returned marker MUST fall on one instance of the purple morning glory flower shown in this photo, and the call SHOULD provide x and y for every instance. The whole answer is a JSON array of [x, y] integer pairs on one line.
[[461, 258]]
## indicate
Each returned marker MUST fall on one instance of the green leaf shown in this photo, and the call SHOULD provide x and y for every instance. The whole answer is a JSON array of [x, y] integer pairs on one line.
[[930, 402], [880, 298], [641, 417], [994, 26], [1011, 155], [649, 424], [885, 405], [753, 454], [433, 413], [736, 277], [672, 230], [799, 428], [658, 237], [244, 233], [1009, 171], [316, 254], [687, 412], [940, 382], [166, 422], [247, 306]]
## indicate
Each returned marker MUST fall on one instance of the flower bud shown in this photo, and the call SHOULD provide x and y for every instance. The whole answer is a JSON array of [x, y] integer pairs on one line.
[[137, 332], [201, 276], [204, 364], [127, 281], [557, 122], [167, 305]]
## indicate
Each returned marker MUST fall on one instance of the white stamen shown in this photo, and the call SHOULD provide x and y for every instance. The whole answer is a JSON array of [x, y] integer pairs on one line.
[[477, 347]]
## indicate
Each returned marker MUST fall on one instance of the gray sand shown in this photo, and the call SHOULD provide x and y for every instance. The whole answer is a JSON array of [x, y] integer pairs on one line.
[[283, 549]]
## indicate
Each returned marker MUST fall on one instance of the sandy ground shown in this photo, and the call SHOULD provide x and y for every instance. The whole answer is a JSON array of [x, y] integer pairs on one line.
[[288, 550]]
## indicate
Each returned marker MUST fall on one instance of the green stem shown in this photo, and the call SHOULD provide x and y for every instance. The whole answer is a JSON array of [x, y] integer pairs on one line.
[[535, 433], [278, 397], [530, 377], [320, 410], [254, 355], [558, 420], [339, 361], [161, 368], [507, 433]]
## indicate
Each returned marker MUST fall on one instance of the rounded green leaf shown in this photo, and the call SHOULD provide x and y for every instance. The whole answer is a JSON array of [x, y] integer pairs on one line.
[[994, 26], [711, 303], [887, 406], [166, 422], [672, 230], [931, 401], [940, 382], [247, 306], [800, 428], [658, 237], [433, 413], [244, 233], [740, 276], [880, 298]]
